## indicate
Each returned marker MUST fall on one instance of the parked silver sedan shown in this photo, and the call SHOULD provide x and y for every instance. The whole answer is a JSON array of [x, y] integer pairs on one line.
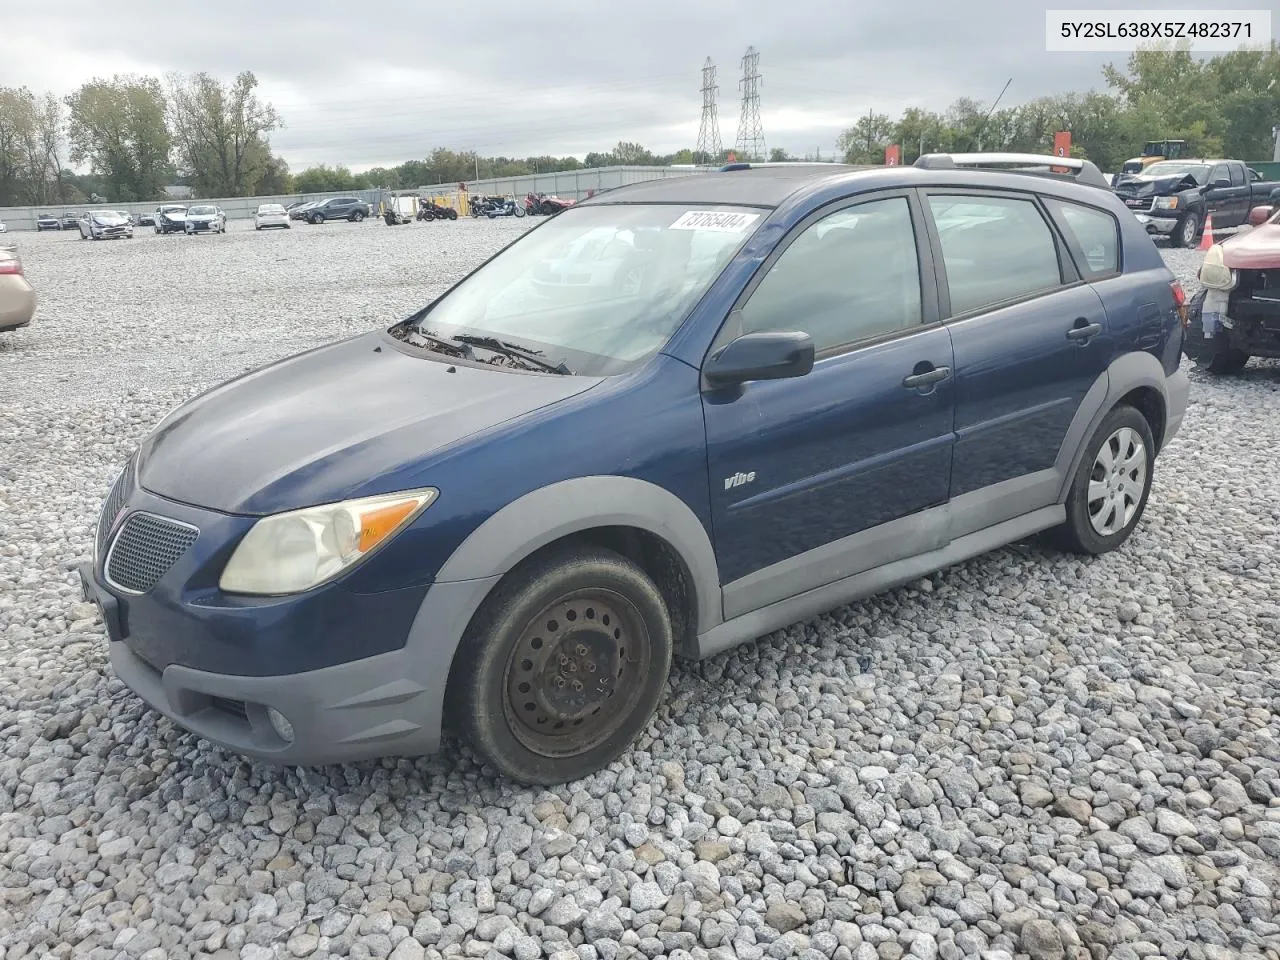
[[17, 299], [106, 225]]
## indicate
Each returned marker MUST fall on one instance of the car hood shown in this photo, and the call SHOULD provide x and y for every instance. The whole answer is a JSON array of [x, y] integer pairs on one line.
[[1256, 249], [110, 221], [1140, 186], [206, 217], [327, 424], [174, 214]]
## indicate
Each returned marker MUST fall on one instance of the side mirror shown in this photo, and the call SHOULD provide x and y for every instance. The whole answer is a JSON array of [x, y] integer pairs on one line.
[[760, 356], [1222, 183], [1260, 215]]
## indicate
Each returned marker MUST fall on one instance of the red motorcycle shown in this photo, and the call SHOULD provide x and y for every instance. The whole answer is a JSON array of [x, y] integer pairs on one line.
[[540, 203]]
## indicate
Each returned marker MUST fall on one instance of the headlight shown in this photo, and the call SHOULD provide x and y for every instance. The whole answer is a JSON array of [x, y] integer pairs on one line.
[[295, 551], [1165, 203]]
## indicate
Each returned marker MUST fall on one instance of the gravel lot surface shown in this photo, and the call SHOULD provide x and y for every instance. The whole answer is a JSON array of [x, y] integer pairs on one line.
[[1026, 755]]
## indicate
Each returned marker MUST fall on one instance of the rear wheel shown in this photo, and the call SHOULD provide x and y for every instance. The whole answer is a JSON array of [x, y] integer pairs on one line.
[[357, 216], [563, 666], [1109, 492]]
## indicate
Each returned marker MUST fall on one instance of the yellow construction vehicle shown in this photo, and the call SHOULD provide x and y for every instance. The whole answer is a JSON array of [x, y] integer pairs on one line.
[[1153, 151]]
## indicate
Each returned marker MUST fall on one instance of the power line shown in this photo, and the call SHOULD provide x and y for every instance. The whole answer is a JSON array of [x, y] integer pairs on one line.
[[709, 129], [750, 143]]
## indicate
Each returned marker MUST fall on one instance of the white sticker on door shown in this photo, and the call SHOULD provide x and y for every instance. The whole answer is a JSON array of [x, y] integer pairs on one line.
[[718, 220]]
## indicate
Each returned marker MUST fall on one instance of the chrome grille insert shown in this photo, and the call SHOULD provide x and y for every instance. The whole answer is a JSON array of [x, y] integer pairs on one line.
[[111, 506], [145, 549]]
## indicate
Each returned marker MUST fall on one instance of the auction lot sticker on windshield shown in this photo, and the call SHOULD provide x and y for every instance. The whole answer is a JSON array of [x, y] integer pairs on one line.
[[718, 220]]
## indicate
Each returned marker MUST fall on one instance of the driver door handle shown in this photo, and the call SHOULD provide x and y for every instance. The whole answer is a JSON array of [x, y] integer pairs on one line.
[[926, 379]]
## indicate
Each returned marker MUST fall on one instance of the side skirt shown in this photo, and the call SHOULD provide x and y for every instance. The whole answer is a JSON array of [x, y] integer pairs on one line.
[[783, 613]]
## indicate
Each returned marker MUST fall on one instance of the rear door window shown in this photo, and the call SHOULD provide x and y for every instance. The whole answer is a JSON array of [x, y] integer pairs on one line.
[[1093, 235], [995, 250]]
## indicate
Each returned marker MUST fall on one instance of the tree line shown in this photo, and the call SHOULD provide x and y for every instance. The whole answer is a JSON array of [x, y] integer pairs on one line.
[[1222, 106], [138, 134]]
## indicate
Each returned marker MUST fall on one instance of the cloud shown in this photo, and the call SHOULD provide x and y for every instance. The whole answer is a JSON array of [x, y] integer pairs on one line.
[[384, 81]]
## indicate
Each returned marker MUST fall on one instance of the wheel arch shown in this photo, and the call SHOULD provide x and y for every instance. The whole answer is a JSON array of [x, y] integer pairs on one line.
[[645, 522], [1135, 378]]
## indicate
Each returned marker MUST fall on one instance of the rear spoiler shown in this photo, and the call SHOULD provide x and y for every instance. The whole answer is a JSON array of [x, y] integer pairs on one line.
[[1072, 168]]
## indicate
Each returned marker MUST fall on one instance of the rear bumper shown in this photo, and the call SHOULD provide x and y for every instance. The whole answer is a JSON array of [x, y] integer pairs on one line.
[[17, 302], [1177, 392]]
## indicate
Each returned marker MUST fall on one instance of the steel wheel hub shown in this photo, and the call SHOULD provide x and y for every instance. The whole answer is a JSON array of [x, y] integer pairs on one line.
[[575, 672], [1117, 481]]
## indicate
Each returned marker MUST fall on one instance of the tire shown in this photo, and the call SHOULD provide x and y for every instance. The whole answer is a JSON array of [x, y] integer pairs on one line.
[[1187, 232], [519, 210], [619, 613], [316, 219], [1215, 355], [453, 214], [357, 216], [1123, 439]]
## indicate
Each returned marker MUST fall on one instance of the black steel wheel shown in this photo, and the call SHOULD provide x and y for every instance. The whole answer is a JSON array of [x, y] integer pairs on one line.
[[563, 666]]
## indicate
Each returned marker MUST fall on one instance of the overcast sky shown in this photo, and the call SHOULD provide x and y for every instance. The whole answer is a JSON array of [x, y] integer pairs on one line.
[[384, 81]]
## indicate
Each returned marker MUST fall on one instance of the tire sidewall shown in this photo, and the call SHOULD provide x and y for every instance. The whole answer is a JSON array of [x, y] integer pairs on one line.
[[1078, 498], [1183, 239], [495, 632]]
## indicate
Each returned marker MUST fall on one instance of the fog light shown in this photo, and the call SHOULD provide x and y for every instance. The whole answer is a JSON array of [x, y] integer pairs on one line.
[[280, 723]]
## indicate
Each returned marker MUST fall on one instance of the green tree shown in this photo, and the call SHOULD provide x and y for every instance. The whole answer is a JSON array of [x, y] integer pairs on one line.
[[118, 127], [220, 132], [866, 140]]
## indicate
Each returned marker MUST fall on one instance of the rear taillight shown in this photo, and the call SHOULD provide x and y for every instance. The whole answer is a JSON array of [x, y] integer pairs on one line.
[[11, 267], [1180, 302]]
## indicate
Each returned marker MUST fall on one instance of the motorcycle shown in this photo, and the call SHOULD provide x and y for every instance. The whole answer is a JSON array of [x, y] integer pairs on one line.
[[540, 203], [480, 205], [506, 207], [435, 211]]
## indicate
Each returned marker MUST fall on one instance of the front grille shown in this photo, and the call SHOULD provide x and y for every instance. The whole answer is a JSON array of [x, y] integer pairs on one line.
[[1139, 204], [145, 549], [111, 506]]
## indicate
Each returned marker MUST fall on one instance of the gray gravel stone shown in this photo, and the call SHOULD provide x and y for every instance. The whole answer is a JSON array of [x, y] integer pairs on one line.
[[1023, 746]]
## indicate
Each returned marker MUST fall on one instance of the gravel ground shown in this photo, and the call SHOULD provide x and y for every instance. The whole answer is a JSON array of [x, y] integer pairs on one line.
[[1025, 755]]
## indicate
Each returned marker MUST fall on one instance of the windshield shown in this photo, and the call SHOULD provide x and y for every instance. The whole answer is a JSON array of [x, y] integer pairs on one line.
[[1172, 168], [202, 211], [271, 208], [598, 288]]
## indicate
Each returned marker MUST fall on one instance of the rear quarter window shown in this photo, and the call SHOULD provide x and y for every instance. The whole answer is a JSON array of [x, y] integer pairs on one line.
[[1093, 236]]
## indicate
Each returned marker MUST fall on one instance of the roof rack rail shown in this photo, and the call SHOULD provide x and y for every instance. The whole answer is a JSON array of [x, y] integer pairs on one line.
[[1037, 164], [749, 165]]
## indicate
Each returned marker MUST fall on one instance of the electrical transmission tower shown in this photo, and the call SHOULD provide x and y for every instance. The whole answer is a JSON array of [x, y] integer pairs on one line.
[[750, 145], [708, 149]]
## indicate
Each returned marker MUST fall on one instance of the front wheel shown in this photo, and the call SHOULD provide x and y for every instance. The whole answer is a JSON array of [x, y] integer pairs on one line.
[[1111, 485], [1187, 232], [563, 666]]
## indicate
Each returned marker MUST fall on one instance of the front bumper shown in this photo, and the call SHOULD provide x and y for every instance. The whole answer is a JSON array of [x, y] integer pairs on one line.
[[356, 675], [1157, 224]]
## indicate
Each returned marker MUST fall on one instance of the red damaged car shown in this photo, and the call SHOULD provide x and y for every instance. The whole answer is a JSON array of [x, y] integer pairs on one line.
[[1237, 315]]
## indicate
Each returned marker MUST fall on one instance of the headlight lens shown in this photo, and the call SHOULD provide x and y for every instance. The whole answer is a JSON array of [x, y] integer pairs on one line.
[[1165, 203], [295, 551]]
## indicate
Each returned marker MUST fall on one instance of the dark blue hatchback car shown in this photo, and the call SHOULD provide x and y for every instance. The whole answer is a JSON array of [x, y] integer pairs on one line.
[[673, 418]]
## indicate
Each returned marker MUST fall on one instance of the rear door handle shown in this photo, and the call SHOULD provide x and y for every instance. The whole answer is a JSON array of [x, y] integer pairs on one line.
[[926, 379], [1084, 331]]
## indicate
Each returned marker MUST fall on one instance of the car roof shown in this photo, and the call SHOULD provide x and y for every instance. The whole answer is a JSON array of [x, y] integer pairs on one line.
[[771, 185], [761, 185]]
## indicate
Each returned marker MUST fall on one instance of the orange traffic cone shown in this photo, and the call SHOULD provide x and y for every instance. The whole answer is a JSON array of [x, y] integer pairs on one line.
[[1206, 238]]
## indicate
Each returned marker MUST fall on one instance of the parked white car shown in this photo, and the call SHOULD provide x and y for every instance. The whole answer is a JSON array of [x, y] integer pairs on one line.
[[270, 215], [3, 228], [205, 218], [105, 224]]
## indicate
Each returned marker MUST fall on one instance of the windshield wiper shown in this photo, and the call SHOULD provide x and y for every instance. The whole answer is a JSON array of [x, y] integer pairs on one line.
[[438, 344], [512, 350]]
